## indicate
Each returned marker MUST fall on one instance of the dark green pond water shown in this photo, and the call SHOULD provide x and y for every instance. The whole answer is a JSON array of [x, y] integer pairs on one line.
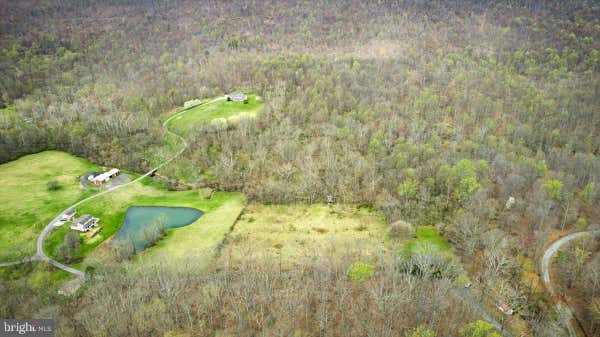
[[142, 223]]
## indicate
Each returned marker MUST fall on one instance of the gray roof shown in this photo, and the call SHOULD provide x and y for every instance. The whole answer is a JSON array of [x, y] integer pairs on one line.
[[82, 219], [238, 96]]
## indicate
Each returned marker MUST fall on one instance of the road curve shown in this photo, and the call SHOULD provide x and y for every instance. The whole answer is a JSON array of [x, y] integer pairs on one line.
[[40, 255], [564, 310]]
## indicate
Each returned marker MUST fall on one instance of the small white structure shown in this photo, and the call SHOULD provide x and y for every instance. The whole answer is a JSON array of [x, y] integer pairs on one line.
[[64, 217], [237, 97], [191, 103], [510, 203], [68, 215], [103, 177], [505, 309], [84, 223]]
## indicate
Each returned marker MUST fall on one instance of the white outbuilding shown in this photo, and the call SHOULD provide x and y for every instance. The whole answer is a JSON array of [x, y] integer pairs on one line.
[[104, 177]]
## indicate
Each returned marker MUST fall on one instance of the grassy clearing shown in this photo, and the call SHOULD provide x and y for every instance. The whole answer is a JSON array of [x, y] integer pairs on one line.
[[220, 109], [428, 241], [26, 204], [206, 233], [197, 242], [297, 231], [40, 276]]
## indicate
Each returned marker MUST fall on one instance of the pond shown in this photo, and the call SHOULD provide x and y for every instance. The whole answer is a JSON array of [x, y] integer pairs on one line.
[[143, 225]]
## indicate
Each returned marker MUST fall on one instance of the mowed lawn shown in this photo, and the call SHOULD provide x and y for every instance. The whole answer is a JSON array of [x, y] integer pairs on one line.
[[27, 205], [197, 243], [207, 112], [295, 232], [220, 212], [428, 242]]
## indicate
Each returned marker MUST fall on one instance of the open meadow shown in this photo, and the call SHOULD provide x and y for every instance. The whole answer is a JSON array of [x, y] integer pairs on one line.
[[198, 239], [214, 111], [293, 232], [36, 188]]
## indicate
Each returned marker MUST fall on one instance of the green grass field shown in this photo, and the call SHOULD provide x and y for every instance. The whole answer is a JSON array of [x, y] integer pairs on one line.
[[197, 242], [220, 211], [297, 231], [26, 204], [428, 241], [207, 112]]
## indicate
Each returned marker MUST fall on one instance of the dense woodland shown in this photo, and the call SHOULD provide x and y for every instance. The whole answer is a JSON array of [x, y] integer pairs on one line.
[[431, 112]]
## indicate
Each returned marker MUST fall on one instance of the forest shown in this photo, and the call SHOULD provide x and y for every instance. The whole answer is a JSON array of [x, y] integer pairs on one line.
[[480, 118]]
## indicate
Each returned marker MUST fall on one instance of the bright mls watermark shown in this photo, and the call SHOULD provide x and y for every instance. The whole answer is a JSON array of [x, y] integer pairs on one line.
[[27, 327]]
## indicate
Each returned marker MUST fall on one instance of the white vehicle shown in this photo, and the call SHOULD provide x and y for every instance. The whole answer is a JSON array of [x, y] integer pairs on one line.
[[59, 222], [68, 215]]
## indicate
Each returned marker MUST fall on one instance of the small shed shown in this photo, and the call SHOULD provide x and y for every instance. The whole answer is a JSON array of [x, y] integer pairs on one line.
[[237, 97], [510, 203], [505, 308], [104, 177]]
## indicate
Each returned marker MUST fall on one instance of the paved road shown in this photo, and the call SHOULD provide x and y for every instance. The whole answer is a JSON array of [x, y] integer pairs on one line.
[[14, 263], [40, 255], [563, 309]]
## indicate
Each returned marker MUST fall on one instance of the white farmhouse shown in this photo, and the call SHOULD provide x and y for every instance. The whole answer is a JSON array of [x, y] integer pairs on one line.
[[84, 223]]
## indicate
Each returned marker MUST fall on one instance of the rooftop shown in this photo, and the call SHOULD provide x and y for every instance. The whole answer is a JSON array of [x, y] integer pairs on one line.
[[237, 97], [82, 219], [104, 176]]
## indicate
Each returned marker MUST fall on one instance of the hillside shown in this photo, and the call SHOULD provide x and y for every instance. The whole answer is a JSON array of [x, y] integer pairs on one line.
[[28, 201], [399, 168]]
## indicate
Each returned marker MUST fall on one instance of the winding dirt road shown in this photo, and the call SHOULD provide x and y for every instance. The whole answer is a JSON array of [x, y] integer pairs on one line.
[[563, 309], [40, 255]]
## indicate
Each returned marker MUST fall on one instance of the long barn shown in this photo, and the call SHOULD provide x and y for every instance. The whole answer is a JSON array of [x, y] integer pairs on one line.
[[104, 177]]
